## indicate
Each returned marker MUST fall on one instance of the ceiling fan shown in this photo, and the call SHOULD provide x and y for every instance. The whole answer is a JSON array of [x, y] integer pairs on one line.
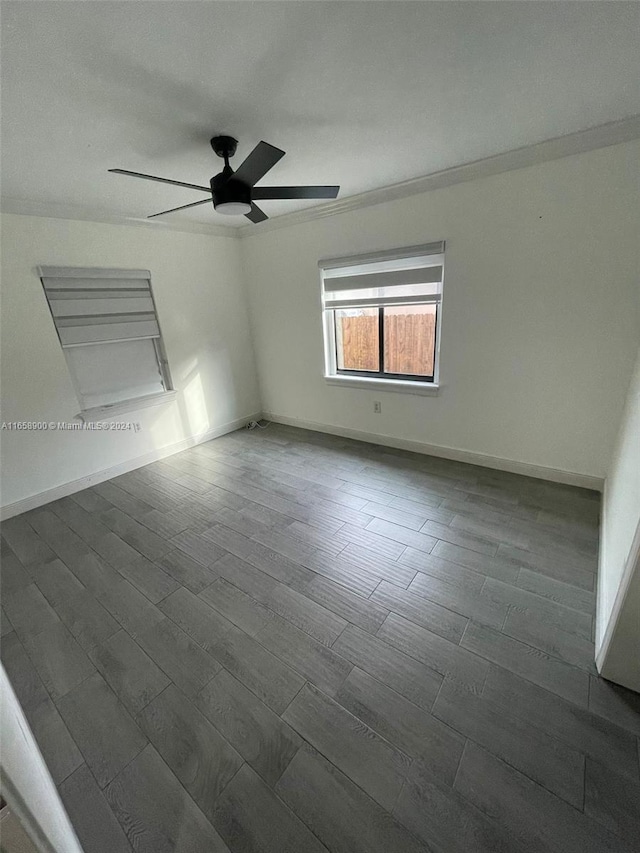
[[233, 193]]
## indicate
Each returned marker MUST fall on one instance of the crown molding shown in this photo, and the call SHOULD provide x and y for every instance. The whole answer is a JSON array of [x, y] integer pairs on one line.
[[78, 213], [602, 136]]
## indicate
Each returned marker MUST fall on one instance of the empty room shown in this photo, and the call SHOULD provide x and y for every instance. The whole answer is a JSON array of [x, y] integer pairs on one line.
[[320, 430]]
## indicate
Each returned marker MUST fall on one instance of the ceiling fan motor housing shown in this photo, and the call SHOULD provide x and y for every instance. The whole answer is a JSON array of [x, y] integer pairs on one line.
[[227, 191]]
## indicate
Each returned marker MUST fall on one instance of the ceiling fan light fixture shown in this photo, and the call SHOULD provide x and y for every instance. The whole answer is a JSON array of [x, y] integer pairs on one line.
[[232, 191], [233, 208]]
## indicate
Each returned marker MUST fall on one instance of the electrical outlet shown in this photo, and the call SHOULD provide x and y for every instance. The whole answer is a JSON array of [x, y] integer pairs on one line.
[[377, 407]]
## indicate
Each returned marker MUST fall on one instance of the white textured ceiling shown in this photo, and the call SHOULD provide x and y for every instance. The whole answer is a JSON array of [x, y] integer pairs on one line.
[[363, 94]]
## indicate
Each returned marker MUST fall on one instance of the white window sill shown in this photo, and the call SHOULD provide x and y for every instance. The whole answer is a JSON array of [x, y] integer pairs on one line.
[[105, 413], [401, 386]]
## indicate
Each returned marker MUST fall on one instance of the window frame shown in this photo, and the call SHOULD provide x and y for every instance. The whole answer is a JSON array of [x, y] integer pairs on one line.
[[381, 373], [401, 382]]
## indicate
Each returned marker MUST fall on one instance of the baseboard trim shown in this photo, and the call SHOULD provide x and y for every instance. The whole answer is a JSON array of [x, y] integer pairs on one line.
[[540, 472], [73, 486]]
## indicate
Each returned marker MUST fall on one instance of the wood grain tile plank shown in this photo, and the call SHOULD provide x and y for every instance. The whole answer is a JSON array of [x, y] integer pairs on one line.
[[545, 759], [445, 570], [196, 618], [403, 535], [538, 607], [94, 715], [403, 516], [252, 819], [25, 542], [534, 665], [316, 538], [392, 667], [472, 604], [344, 572], [612, 799], [539, 819], [131, 674], [194, 750], [595, 736], [446, 821], [166, 522], [319, 664], [279, 567], [367, 759], [60, 753], [311, 617], [91, 500], [177, 655], [13, 575], [365, 538], [129, 607], [258, 669], [95, 824], [5, 625], [447, 658], [494, 531], [353, 608], [187, 571], [155, 811], [114, 496], [30, 612], [198, 547], [154, 583], [567, 646], [566, 594], [425, 612], [339, 812], [411, 729], [615, 703], [236, 606], [59, 660], [497, 566], [577, 572], [265, 741], [385, 569], [24, 678]]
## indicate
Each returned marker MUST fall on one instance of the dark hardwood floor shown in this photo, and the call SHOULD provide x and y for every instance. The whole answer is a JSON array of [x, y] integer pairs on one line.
[[286, 642]]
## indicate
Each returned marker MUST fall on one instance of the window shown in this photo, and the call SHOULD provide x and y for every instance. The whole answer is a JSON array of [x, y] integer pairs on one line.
[[108, 327], [382, 315]]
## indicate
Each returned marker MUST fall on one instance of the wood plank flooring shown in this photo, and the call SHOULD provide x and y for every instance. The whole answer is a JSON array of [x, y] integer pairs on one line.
[[286, 641]]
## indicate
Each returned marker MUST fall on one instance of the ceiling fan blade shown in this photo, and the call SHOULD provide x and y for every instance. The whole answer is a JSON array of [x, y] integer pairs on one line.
[[294, 192], [161, 180], [256, 214], [262, 158], [182, 207]]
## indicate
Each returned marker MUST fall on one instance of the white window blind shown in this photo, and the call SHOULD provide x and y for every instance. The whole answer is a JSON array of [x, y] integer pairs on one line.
[[105, 374], [91, 306], [402, 276], [108, 327]]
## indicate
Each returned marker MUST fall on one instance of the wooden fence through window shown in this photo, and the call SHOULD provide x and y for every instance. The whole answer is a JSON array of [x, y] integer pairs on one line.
[[409, 342]]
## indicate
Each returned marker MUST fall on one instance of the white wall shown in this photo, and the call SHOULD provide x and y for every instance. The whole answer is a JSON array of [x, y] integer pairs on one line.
[[618, 610], [199, 293], [540, 313], [26, 782]]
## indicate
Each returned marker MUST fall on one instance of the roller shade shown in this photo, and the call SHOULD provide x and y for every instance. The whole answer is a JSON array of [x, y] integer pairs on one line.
[[390, 278], [91, 306], [401, 276]]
